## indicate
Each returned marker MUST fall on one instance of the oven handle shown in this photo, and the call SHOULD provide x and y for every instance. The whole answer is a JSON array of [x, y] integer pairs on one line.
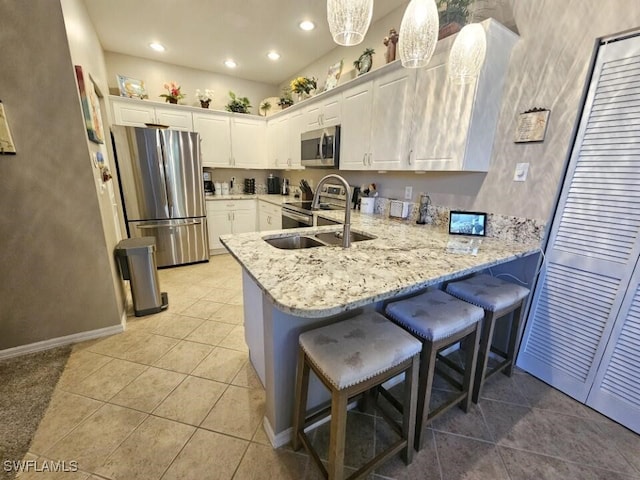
[[298, 217], [322, 137]]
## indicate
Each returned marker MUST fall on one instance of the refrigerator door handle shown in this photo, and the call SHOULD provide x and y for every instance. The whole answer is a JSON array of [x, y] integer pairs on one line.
[[165, 174], [165, 225]]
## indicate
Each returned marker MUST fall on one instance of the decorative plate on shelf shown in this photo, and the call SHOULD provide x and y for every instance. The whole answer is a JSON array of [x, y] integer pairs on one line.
[[131, 87]]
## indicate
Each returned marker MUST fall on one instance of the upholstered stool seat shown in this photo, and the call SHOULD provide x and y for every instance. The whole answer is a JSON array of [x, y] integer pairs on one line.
[[351, 357], [498, 298], [439, 320]]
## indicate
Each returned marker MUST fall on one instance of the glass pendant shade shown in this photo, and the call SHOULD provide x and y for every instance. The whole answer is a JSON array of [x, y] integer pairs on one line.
[[418, 33], [349, 20], [467, 54]]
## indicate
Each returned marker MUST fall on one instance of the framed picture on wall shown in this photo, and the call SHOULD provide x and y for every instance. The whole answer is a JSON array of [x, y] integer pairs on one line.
[[333, 75], [6, 142], [90, 106], [131, 87]]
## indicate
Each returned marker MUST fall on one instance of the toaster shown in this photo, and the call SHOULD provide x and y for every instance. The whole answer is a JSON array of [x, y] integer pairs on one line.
[[399, 209]]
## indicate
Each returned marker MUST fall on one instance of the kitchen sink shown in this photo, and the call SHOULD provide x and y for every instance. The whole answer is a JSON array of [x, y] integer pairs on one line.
[[335, 238], [294, 242]]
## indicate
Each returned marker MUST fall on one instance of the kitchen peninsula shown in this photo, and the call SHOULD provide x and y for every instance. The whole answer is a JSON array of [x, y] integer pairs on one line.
[[287, 292]]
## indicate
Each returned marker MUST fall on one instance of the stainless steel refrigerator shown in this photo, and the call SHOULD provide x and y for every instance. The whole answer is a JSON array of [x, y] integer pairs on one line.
[[160, 176]]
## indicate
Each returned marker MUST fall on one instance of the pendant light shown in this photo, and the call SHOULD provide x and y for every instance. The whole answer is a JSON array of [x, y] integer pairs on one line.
[[467, 54], [418, 33], [349, 20]]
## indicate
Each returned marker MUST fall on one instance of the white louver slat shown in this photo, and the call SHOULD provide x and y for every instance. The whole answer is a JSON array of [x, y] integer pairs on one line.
[[583, 331]]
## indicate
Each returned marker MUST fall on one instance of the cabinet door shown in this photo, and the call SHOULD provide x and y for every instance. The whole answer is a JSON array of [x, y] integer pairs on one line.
[[244, 221], [270, 216], [215, 139], [274, 137], [175, 118], [356, 127], [218, 223], [331, 110], [390, 120], [441, 120], [248, 142], [294, 129], [312, 116], [132, 114]]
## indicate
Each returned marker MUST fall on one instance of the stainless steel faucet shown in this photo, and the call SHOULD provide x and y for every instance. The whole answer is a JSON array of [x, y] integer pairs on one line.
[[346, 229]]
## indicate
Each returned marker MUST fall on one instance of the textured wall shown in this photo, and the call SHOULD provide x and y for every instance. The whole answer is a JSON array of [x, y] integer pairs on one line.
[[54, 263]]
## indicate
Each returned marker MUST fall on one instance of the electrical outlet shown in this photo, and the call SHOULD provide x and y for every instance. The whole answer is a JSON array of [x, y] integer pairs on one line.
[[520, 175], [408, 193]]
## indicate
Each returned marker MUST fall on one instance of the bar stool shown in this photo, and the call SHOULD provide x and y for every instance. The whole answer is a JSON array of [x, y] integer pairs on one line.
[[498, 298], [351, 357], [439, 320]]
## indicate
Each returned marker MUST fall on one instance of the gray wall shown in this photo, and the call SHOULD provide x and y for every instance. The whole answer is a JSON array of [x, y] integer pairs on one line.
[[55, 264]]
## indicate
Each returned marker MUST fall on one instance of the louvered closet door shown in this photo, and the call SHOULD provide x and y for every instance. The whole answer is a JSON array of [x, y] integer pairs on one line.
[[593, 244]]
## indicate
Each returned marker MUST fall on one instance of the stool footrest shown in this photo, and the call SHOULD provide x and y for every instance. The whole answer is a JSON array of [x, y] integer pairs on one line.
[[452, 381], [497, 351], [390, 398], [378, 460], [450, 364]]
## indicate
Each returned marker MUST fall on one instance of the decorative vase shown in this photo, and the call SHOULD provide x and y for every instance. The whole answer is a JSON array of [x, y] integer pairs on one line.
[[205, 103], [172, 100]]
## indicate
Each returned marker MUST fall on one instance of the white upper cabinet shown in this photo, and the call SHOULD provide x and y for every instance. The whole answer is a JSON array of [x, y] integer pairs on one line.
[[283, 141], [325, 111], [215, 139], [454, 125], [136, 113], [376, 122], [248, 142]]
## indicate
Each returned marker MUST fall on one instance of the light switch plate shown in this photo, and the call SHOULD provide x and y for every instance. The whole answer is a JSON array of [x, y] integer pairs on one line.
[[408, 193], [520, 175]]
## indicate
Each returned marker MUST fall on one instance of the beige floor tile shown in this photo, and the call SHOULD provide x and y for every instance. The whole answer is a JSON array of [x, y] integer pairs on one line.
[[262, 461], [149, 351], [184, 357], [80, 365], [117, 345], [221, 365], [178, 304], [176, 326], [235, 340], [210, 332], [247, 377], [202, 309], [188, 291], [237, 299], [94, 439], [261, 437], [191, 401], [42, 468], [208, 455], [143, 324], [220, 295], [229, 314], [148, 452], [65, 412], [148, 390], [238, 412], [105, 382]]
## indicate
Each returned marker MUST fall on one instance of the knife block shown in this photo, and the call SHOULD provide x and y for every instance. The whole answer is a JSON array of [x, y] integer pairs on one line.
[[306, 196]]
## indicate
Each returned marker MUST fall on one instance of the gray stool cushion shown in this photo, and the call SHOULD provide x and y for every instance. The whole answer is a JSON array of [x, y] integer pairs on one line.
[[488, 292], [354, 350], [434, 315]]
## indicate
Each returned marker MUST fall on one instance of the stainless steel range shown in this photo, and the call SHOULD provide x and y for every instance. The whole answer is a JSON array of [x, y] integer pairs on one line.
[[300, 214]]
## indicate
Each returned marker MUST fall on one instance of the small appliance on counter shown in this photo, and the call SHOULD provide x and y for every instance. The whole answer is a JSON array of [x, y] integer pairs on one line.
[[250, 185], [285, 186], [224, 188], [217, 188], [208, 183], [273, 184], [399, 209]]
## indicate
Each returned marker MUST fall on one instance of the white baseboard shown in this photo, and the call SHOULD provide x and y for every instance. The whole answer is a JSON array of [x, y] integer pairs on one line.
[[276, 440], [60, 341]]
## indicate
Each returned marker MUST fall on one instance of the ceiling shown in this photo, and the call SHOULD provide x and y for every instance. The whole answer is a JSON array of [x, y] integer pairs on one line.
[[202, 34]]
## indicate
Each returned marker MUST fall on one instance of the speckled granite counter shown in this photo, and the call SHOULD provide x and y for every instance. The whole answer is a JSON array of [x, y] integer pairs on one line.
[[275, 199], [324, 281]]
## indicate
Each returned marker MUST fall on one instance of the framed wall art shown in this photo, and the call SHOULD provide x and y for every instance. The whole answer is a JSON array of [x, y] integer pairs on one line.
[[7, 146], [532, 125], [90, 106], [333, 75], [131, 87]]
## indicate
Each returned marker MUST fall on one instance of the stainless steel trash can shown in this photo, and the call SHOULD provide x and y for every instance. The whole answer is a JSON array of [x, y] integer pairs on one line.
[[137, 260]]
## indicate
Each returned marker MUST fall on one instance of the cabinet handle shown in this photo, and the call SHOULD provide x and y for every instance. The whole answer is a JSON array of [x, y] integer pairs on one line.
[[268, 220], [410, 152], [370, 155], [364, 158]]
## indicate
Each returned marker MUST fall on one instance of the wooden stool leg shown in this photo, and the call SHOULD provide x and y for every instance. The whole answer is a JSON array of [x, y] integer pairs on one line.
[[409, 414], [300, 405], [425, 382], [471, 360], [488, 324], [338, 432], [513, 338]]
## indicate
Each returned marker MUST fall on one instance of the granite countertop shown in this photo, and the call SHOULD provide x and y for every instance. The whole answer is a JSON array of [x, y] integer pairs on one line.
[[275, 199], [404, 258]]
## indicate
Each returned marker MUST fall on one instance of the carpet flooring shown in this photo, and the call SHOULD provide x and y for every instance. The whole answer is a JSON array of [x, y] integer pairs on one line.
[[26, 386]]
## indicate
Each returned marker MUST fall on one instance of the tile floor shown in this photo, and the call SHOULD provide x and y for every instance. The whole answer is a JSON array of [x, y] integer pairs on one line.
[[174, 397]]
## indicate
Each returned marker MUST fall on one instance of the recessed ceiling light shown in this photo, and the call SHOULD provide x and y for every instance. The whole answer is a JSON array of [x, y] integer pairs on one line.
[[307, 25], [230, 63], [158, 47], [273, 55]]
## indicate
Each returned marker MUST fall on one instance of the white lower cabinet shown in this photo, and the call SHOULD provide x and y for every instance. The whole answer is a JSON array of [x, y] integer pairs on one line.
[[229, 217], [269, 216]]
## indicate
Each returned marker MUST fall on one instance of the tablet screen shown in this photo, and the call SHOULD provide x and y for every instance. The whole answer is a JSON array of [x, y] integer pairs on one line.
[[467, 223]]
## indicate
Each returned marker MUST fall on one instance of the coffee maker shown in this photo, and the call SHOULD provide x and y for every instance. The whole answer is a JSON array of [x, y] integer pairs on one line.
[[273, 184], [208, 183]]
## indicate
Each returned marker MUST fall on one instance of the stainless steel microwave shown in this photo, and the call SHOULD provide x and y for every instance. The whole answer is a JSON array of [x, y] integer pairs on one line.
[[321, 148]]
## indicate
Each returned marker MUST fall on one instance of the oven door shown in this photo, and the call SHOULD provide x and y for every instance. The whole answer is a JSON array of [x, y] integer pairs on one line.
[[292, 219]]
